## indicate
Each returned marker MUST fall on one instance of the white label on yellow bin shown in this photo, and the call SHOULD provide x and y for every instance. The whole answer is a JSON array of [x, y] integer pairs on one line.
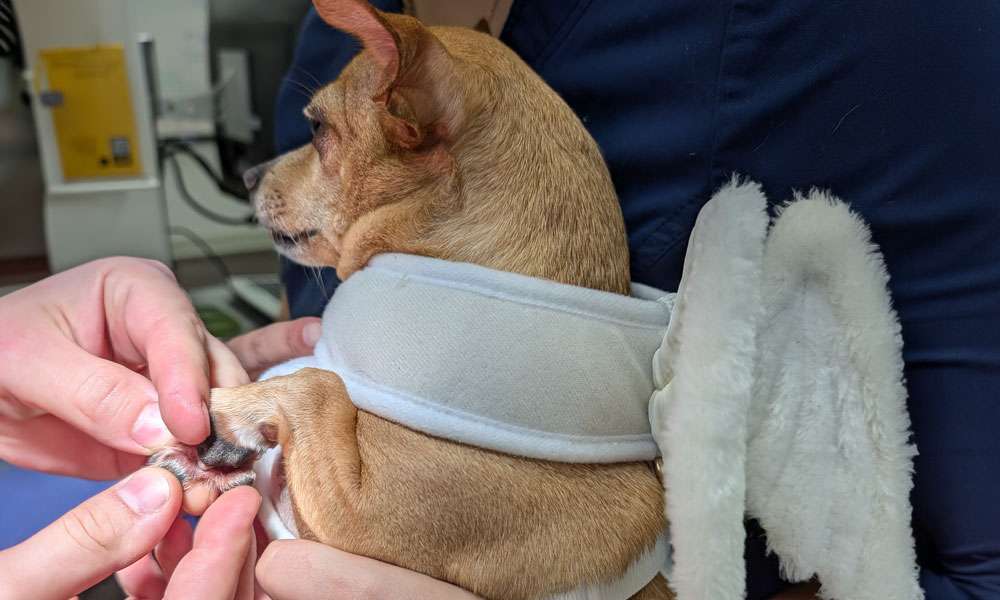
[[88, 94]]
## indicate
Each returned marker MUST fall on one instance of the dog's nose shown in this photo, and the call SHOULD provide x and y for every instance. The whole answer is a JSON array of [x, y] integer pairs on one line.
[[254, 175]]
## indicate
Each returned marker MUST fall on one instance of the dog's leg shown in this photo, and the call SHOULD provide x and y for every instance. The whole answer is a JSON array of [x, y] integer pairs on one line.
[[457, 513], [249, 419]]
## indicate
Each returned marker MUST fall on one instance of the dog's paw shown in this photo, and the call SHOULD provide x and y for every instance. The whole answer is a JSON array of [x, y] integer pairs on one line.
[[204, 482]]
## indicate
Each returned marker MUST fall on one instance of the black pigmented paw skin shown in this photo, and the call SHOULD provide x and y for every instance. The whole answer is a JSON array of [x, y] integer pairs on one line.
[[183, 462], [217, 452]]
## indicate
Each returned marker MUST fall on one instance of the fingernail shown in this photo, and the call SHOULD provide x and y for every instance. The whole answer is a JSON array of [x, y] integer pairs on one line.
[[144, 492], [311, 333], [149, 429]]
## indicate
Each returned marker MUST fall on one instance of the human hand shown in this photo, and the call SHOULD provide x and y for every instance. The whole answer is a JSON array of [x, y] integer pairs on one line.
[[257, 351], [120, 527], [215, 563], [74, 355], [90, 542], [301, 570], [263, 348]]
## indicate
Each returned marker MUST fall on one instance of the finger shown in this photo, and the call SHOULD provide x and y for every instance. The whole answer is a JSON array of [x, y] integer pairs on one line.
[[102, 535], [260, 594], [262, 349], [28, 444], [198, 497], [301, 570], [106, 400], [226, 372], [247, 584], [174, 546], [152, 321], [261, 540], [143, 579], [226, 368], [147, 577], [222, 542], [128, 311]]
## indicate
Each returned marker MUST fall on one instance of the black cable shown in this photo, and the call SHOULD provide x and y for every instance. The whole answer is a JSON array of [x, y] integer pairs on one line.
[[173, 145], [187, 140], [10, 38], [206, 250], [198, 207]]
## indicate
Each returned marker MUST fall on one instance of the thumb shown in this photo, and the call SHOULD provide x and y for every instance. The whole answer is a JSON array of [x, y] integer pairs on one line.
[[95, 539]]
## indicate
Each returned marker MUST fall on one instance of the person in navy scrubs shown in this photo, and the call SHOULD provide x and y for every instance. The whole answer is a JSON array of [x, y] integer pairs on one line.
[[894, 107]]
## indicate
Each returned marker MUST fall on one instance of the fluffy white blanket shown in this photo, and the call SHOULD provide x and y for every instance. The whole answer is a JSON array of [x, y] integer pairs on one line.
[[782, 398]]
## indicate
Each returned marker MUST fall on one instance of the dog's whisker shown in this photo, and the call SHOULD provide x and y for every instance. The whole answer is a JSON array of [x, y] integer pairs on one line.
[[300, 87], [321, 283], [319, 83]]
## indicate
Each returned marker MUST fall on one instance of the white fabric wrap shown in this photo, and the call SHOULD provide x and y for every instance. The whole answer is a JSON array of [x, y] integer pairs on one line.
[[773, 389], [497, 360]]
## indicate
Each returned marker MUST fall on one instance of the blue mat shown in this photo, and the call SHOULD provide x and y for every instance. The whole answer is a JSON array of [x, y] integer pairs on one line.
[[30, 501]]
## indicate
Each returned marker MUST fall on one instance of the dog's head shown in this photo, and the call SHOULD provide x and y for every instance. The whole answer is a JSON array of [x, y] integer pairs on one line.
[[442, 142]]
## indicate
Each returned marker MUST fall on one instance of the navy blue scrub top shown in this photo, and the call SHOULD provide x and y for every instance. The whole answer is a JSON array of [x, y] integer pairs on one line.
[[894, 107]]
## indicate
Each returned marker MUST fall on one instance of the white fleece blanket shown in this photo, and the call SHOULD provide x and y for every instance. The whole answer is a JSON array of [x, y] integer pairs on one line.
[[782, 398], [771, 384]]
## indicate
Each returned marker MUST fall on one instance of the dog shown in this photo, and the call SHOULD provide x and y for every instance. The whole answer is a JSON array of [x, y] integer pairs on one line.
[[438, 142]]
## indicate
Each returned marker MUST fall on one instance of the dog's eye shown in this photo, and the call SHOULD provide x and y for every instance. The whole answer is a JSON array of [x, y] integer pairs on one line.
[[315, 126]]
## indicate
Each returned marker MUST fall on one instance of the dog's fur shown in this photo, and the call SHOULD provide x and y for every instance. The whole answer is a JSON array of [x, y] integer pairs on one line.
[[442, 142]]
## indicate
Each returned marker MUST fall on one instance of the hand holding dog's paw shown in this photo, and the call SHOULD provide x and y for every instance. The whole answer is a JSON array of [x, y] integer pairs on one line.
[[216, 465], [205, 472]]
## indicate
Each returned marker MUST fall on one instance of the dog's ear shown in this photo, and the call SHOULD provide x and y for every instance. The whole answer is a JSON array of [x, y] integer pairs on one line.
[[369, 26], [416, 81]]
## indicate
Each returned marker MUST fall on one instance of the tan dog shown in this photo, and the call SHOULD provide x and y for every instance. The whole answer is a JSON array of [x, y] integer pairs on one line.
[[441, 142]]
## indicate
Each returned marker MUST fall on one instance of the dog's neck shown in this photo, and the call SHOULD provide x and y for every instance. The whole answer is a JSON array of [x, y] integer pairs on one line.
[[536, 197]]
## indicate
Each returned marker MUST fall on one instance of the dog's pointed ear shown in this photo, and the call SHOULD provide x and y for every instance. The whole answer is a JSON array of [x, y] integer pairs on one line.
[[416, 80], [369, 26]]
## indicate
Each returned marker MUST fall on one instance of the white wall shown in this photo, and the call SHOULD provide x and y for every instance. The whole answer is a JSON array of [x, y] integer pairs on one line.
[[86, 219], [181, 31]]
